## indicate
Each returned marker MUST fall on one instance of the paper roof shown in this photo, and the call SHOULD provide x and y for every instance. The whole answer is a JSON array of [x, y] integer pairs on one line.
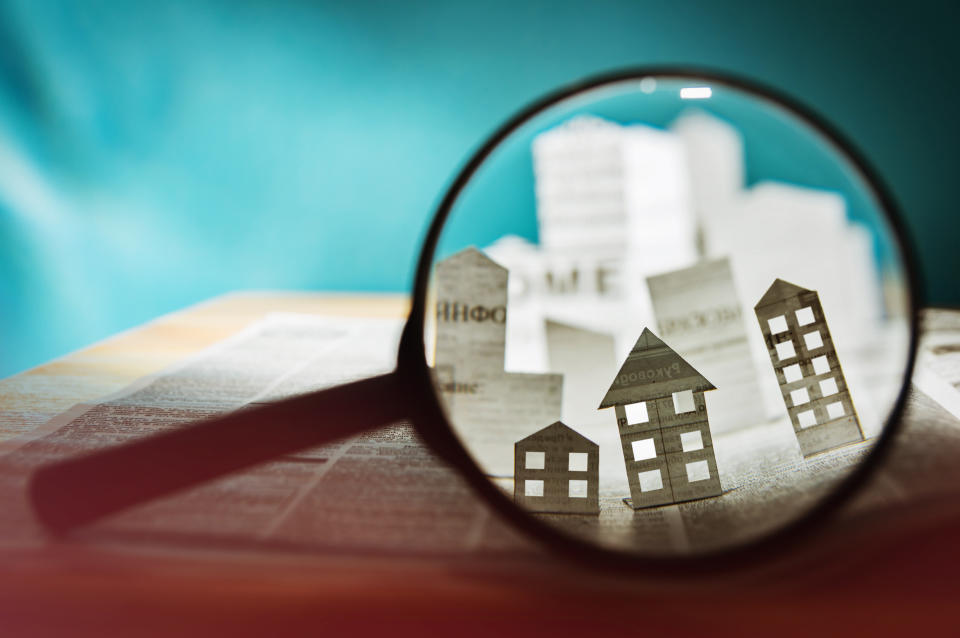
[[778, 291], [652, 370]]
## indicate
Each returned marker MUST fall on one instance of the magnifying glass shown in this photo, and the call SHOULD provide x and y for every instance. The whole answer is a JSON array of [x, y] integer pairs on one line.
[[660, 316]]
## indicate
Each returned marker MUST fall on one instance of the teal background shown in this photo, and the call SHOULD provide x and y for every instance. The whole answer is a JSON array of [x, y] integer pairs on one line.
[[153, 155], [777, 145]]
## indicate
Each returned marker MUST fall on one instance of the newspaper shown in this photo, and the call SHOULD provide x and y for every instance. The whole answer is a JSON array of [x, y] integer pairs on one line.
[[938, 362], [385, 493], [699, 314], [379, 492]]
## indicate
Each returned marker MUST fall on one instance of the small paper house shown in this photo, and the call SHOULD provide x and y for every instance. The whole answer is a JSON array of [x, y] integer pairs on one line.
[[557, 470], [664, 430], [805, 362]]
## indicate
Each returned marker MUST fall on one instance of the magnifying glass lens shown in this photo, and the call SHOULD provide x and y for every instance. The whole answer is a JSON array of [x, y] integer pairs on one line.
[[668, 316]]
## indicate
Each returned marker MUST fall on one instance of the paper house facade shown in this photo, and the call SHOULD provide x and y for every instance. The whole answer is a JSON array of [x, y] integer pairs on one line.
[[663, 424], [557, 470], [807, 368]]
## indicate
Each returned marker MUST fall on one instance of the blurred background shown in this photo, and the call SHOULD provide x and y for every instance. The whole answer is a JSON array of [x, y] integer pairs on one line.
[[155, 155]]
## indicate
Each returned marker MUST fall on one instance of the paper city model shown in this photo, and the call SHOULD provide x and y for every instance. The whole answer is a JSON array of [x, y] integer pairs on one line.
[[557, 470], [663, 424], [807, 368]]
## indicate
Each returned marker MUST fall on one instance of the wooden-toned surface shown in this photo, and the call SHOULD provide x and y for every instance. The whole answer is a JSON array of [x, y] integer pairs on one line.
[[880, 582], [110, 365]]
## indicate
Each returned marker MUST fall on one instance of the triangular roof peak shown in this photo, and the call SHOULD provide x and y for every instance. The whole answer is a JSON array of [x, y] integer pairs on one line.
[[778, 291], [471, 255], [556, 429], [652, 370]]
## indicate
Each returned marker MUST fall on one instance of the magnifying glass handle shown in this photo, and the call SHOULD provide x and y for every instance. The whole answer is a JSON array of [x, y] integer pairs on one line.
[[79, 490]]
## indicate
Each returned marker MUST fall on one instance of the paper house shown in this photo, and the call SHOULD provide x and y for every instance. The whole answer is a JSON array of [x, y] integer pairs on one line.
[[807, 368], [557, 470], [663, 424]]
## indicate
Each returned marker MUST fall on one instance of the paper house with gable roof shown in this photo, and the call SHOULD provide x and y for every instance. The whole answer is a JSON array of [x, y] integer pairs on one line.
[[557, 470], [663, 424], [804, 359]]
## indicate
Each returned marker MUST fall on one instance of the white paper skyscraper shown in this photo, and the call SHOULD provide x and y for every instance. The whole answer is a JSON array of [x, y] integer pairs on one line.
[[613, 206]]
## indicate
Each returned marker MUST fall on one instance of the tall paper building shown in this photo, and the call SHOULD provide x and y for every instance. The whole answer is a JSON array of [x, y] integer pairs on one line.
[[613, 206], [807, 368]]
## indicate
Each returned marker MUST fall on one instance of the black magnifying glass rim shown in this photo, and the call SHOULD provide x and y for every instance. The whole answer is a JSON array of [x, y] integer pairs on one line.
[[433, 425]]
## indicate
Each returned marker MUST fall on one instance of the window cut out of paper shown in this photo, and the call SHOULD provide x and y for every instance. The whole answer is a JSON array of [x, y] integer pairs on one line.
[[534, 460], [683, 402], [813, 340], [804, 316], [644, 449], [777, 324], [577, 462], [577, 489], [650, 481], [807, 418], [792, 373], [698, 471], [821, 365], [821, 412], [785, 350], [691, 441], [828, 387], [637, 413]]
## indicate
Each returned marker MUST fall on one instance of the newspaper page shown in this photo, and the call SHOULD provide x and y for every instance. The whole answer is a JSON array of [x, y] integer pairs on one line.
[[938, 362], [386, 493], [699, 314], [382, 492]]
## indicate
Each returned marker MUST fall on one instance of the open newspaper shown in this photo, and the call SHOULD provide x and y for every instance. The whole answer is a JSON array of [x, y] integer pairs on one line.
[[384, 492]]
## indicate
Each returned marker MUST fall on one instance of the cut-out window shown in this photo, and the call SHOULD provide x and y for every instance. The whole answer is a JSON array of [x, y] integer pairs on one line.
[[533, 487], [650, 481], [577, 462], [804, 316], [777, 324], [785, 350], [792, 373], [636, 412], [828, 387], [534, 461], [821, 365], [835, 410], [577, 489], [806, 418], [691, 441], [644, 449], [698, 471], [683, 402], [813, 340], [800, 396]]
